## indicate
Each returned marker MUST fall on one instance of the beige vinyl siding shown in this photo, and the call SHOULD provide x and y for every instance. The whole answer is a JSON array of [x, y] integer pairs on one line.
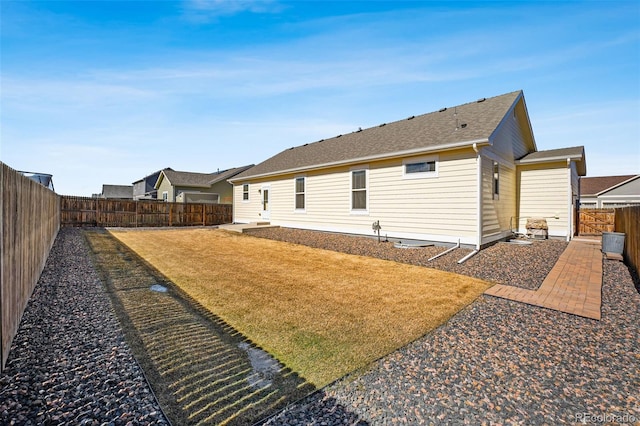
[[165, 186], [497, 211], [509, 141], [245, 211], [544, 193], [444, 206]]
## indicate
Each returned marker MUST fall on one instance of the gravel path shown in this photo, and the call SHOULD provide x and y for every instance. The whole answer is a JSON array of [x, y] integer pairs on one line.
[[499, 362], [69, 363]]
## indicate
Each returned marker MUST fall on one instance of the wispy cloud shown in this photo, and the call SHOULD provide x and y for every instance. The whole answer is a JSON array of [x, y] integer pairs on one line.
[[204, 11]]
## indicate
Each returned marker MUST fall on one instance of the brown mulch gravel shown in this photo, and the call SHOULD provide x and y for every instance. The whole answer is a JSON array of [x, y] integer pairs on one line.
[[523, 266], [498, 362]]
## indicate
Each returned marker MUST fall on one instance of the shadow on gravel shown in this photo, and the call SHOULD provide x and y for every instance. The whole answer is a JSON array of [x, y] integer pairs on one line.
[[316, 409], [201, 369]]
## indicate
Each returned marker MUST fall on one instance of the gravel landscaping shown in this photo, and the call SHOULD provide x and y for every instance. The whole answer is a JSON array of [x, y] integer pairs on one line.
[[69, 362], [500, 362], [495, 362], [523, 266]]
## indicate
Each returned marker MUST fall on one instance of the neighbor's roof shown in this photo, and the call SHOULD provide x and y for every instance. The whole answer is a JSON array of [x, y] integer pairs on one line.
[[597, 184], [117, 191], [575, 153], [200, 180], [156, 174], [452, 127]]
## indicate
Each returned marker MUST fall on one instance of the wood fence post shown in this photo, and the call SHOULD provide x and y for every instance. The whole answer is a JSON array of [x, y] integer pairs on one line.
[[97, 212]]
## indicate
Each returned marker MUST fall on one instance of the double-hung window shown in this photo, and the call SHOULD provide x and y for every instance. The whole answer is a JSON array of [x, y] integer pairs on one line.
[[300, 193], [245, 192], [359, 190]]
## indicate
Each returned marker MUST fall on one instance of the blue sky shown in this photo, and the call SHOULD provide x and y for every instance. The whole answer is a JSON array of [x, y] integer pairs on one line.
[[100, 92]]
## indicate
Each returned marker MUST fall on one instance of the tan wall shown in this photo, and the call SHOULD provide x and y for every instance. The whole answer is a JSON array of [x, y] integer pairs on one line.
[[224, 189], [544, 192], [498, 211], [165, 185], [441, 208]]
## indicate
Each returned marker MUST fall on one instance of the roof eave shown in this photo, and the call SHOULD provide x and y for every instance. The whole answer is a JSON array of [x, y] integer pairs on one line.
[[582, 171], [445, 147]]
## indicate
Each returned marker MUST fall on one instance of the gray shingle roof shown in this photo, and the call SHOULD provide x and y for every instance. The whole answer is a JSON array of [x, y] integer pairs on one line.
[[117, 191], [463, 124], [201, 180], [597, 184], [575, 153]]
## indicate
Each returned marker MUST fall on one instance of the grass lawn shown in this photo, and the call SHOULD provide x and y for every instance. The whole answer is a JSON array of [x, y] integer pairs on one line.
[[321, 313]]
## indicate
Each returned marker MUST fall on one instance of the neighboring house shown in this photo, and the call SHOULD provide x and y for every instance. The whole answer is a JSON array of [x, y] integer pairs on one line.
[[145, 188], [116, 191], [189, 187], [470, 173], [609, 191]]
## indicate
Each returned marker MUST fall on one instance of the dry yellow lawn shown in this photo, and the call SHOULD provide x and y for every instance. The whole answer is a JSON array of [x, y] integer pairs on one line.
[[321, 313]]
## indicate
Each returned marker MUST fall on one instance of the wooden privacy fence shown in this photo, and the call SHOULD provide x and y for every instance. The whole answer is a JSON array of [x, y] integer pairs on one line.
[[85, 211], [596, 221], [628, 221], [29, 223]]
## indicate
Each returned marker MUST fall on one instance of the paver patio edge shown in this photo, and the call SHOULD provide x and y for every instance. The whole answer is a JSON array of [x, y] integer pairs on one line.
[[573, 286]]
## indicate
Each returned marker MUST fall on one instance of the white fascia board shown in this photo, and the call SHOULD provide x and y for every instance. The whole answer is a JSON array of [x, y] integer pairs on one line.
[[387, 156], [561, 158]]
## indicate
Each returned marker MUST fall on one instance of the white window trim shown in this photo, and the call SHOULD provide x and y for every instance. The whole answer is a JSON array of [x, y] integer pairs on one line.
[[353, 211], [295, 194], [248, 193], [422, 175], [165, 196]]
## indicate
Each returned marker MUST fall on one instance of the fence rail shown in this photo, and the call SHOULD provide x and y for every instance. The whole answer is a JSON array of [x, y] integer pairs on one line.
[[29, 223], [628, 221], [84, 211]]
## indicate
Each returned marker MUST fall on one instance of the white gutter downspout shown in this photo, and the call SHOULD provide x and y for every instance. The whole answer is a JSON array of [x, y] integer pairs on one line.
[[479, 243], [445, 252], [479, 218]]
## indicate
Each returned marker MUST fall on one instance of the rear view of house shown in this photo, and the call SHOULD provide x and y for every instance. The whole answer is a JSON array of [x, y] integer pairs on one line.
[[462, 173]]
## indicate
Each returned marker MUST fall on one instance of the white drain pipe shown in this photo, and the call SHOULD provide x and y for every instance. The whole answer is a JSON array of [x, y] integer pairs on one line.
[[445, 252], [467, 257]]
